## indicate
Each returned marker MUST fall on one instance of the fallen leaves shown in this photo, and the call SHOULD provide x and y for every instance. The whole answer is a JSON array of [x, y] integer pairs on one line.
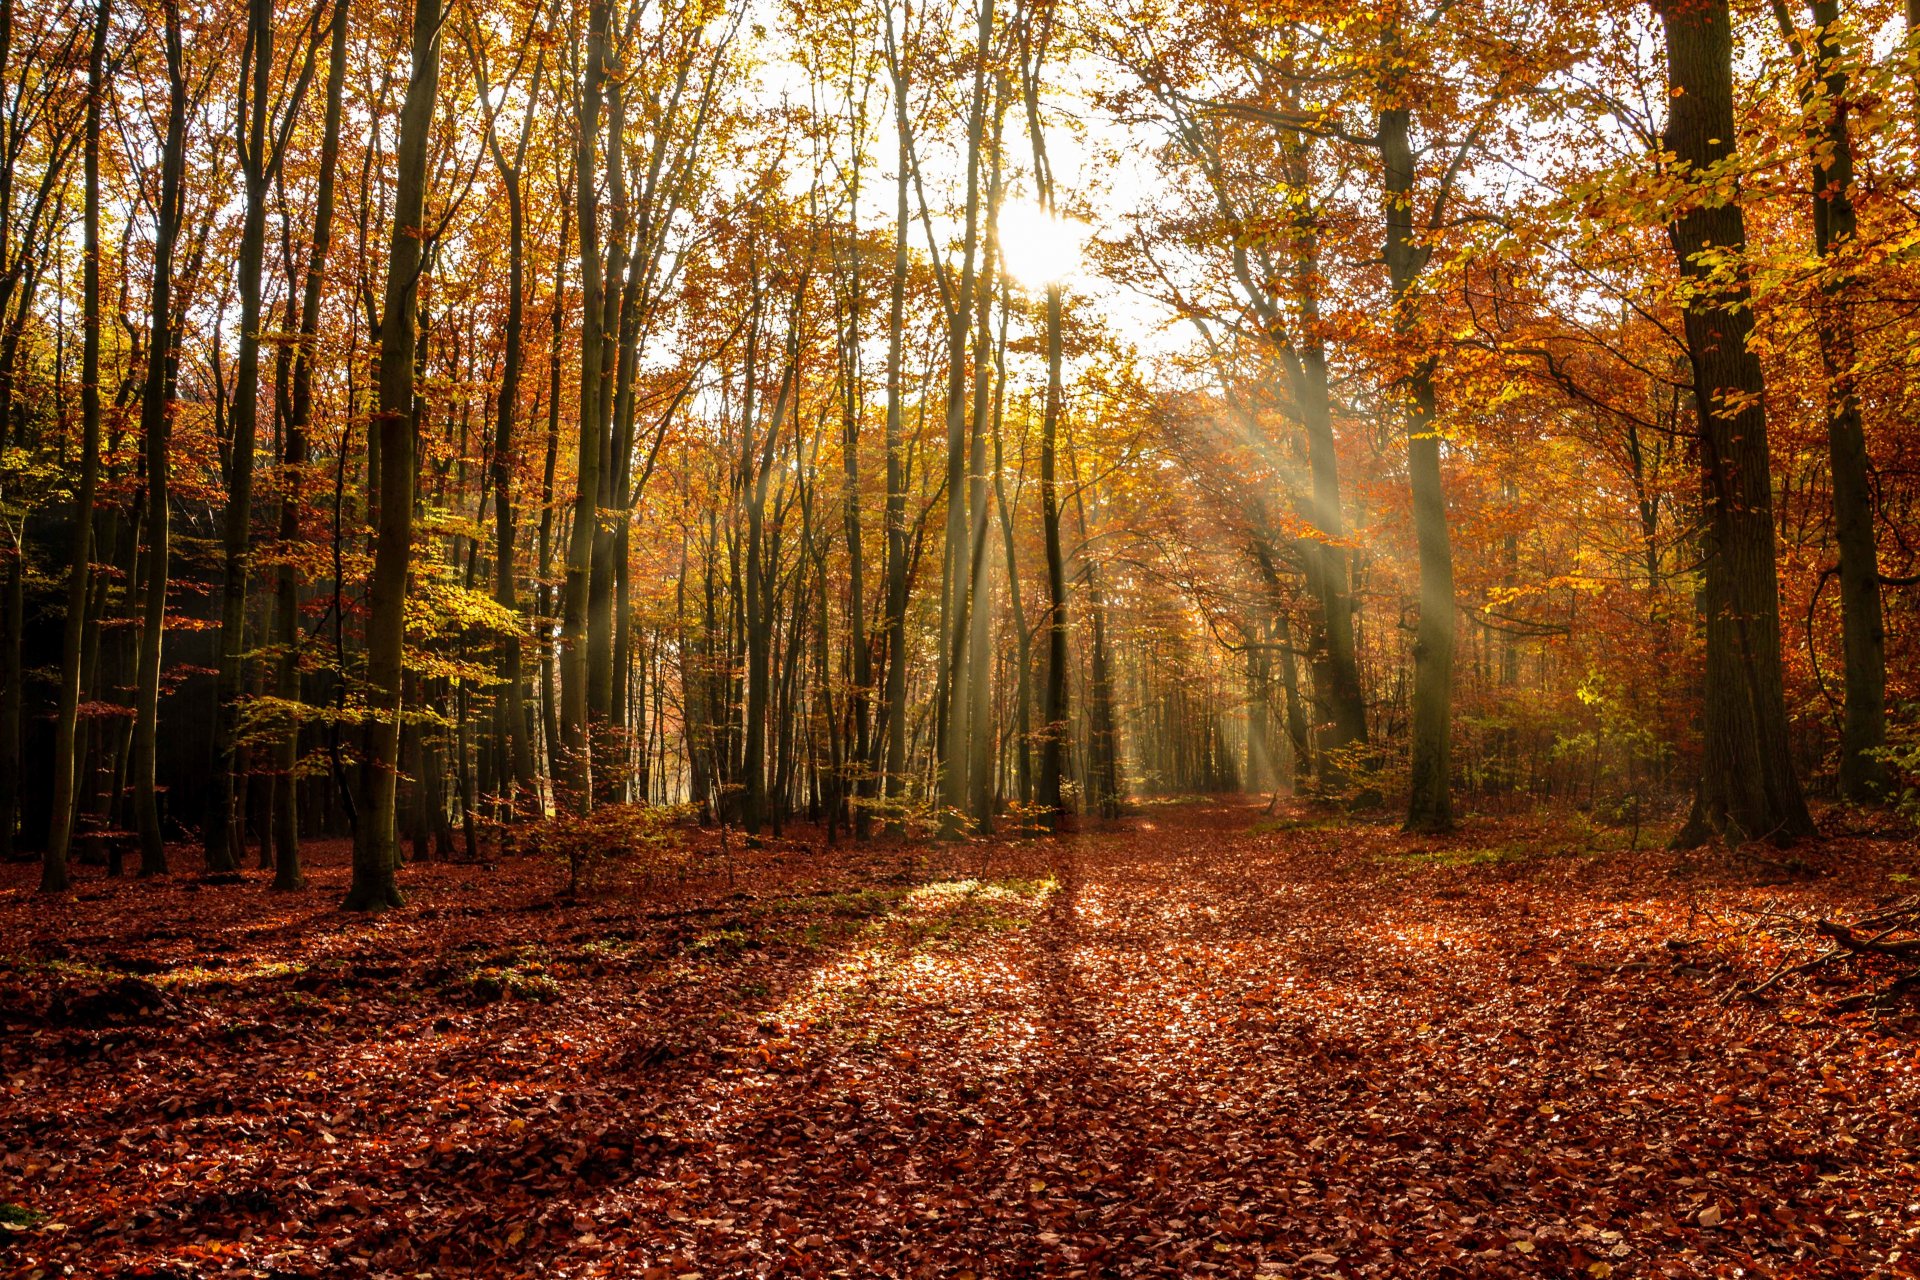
[[1192, 1051]]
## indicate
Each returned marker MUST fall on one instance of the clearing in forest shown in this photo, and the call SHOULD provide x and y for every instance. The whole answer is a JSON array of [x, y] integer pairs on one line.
[[1203, 1042]]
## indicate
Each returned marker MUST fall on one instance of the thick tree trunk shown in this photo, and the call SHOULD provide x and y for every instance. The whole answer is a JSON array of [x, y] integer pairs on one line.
[[1346, 703], [376, 854], [1747, 787], [617, 303]]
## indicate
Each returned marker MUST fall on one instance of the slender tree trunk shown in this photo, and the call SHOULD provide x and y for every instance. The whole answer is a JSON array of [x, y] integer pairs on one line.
[[287, 873], [1430, 792], [857, 641], [1825, 96], [549, 706], [221, 836], [1023, 639], [1299, 740], [156, 426], [376, 854], [1104, 768], [53, 868], [896, 508], [979, 599], [510, 716], [1054, 704], [1747, 788], [575, 774], [13, 607], [951, 700]]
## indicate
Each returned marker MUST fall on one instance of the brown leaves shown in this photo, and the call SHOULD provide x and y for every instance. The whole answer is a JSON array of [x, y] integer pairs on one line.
[[1194, 1050]]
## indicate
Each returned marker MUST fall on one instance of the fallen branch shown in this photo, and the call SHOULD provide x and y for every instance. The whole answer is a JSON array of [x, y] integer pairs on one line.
[[1849, 939]]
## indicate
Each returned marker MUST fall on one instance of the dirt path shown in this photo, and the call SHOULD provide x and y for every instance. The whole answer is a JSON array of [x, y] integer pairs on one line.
[[1208, 1043]]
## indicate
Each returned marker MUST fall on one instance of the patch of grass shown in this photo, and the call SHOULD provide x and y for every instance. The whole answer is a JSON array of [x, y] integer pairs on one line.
[[80, 970], [725, 943], [1276, 826], [18, 1217], [185, 976], [1474, 855], [853, 904], [201, 976], [492, 982]]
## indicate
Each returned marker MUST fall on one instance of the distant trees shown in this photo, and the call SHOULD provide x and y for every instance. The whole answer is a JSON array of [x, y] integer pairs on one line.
[[660, 408]]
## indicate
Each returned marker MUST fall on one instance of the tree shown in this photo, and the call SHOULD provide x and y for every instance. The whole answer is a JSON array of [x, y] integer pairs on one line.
[[156, 424], [376, 854], [1748, 790], [53, 865]]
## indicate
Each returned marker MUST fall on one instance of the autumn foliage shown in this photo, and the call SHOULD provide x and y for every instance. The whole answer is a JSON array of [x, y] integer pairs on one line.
[[585, 480]]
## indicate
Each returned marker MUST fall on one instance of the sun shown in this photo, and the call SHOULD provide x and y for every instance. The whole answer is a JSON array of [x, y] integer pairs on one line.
[[1037, 248]]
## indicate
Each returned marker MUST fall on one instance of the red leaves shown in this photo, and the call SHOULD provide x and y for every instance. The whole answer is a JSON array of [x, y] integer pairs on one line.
[[1193, 1051]]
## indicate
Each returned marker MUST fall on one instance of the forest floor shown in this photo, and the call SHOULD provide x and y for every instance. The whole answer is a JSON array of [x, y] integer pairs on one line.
[[1206, 1041]]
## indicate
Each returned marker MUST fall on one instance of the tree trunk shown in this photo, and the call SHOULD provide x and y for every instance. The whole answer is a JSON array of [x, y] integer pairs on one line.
[[1430, 789], [549, 707], [221, 838], [1747, 787], [287, 873], [951, 699], [895, 621], [156, 427], [1863, 775], [575, 774], [511, 720], [53, 867], [376, 854]]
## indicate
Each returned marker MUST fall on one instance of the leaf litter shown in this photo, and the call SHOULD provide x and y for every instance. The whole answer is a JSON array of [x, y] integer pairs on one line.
[[1195, 1043]]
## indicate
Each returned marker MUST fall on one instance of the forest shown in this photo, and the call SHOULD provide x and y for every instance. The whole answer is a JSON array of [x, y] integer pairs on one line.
[[690, 638]]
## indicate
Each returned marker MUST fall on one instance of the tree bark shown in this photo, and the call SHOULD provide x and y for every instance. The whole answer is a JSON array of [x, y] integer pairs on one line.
[[287, 873], [895, 622], [53, 867], [511, 714], [575, 763], [1430, 789], [1824, 95], [376, 853], [156, 428], [1747, 787]]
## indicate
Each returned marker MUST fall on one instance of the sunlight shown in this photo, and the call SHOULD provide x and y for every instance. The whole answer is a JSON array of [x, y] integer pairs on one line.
[[1038, 249]]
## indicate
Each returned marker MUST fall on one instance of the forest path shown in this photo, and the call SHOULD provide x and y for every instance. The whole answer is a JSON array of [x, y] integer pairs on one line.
[[1215, 1043], [1202, 1041]]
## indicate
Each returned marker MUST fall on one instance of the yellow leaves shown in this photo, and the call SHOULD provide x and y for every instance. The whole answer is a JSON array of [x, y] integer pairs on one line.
[[438, 610]]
